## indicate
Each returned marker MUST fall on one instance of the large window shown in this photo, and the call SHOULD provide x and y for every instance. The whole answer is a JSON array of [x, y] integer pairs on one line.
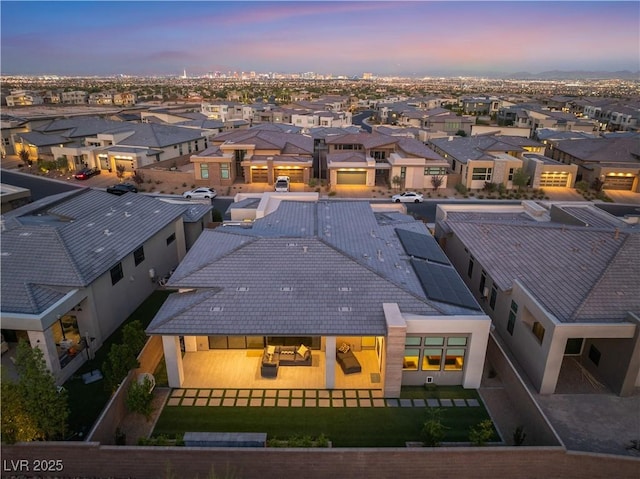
[[138, 255], [470, 267], [435, 353], [204, 171], [482, 174], [403, 172], [483, 280], [225, 168], [116, 273]]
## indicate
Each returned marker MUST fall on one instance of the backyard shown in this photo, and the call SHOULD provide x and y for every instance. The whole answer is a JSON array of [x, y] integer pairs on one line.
[[344, 427]]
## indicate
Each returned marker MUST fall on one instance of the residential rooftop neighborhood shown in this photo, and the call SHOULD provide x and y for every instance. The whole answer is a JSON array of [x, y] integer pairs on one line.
[[382, 296], [232, 268]]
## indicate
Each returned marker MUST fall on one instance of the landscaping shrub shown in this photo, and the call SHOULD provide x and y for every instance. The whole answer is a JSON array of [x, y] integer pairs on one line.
[[481, 433], [433, 430], [460, 188]]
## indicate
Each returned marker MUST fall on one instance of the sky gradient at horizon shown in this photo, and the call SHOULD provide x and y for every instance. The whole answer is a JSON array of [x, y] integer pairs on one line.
[[339, 38]]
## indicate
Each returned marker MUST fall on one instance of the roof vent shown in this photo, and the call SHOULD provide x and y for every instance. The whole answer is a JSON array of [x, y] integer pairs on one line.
[[344, 288], [127, 214], [242, 288], [25, 233], [286, 288], [107, 232], [305, 249], [215, 309], [344, 309]]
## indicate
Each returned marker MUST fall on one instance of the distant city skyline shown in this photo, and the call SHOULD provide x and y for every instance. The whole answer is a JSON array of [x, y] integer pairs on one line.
[[330, 38]]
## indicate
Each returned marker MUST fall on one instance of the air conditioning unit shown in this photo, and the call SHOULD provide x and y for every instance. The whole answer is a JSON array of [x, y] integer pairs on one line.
[[429, 380]]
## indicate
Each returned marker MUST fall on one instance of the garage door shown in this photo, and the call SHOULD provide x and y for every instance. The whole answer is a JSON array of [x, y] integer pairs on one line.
[[553, 178], [259, 176], [295, 176], [352, 177], [618, 182]]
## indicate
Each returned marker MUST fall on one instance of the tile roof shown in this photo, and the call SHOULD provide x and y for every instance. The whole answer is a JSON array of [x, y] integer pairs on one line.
[[606, 150], [296, 290], [368, 140], [298, 258], [264, 139], [74, 240], [579, 274]]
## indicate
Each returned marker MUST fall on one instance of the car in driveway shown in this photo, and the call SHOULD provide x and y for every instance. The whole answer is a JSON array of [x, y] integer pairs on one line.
[[200, 193], [282, 183], [122, 188], [86, 173], [408, 197]]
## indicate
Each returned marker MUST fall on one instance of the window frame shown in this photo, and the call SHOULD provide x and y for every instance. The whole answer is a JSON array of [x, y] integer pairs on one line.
[[138, 255], [117, 273]]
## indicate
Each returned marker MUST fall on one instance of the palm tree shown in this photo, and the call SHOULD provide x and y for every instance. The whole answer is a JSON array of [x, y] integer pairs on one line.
[[25, 157]]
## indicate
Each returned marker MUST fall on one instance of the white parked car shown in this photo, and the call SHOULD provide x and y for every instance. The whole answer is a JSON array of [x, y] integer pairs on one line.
[[282, 183], [200, 193], [408, 197]]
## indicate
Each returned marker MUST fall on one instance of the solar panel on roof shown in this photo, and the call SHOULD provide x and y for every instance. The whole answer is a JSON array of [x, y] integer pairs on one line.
[[421, 246], [442, 283]]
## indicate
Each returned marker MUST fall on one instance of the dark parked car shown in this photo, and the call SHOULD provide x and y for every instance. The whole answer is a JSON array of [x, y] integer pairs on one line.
[[86, 173], [122, 188]]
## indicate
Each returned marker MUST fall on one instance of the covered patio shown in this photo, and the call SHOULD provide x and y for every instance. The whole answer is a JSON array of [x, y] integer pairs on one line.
[[241, 369]]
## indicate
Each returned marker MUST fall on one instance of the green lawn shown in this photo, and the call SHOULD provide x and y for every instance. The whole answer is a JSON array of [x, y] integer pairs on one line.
[[345, 427], [86, 401]]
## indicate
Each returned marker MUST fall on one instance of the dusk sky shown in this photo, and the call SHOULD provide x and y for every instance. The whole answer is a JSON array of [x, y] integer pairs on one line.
[[340, 38]]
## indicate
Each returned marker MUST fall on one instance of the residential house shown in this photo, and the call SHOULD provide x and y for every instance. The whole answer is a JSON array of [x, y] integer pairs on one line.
[[546, 172], [224, 111], [534, 117], [482, 159], [320, 276], [124, 98], [107, 144], [255, 155], [372, 158], [9, 126], [560, 284], [76, 265], [24, 98], [612, 114], [479, 105], [614, 161], [76, 97]]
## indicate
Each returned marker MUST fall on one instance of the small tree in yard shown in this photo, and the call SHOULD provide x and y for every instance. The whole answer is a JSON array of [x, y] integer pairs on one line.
[[33, 408], [520, 178], [25, 157], [137, 178], [124, 356], [433, 430], [120, 171], [397, 181], [140, 398], [437, 181]]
